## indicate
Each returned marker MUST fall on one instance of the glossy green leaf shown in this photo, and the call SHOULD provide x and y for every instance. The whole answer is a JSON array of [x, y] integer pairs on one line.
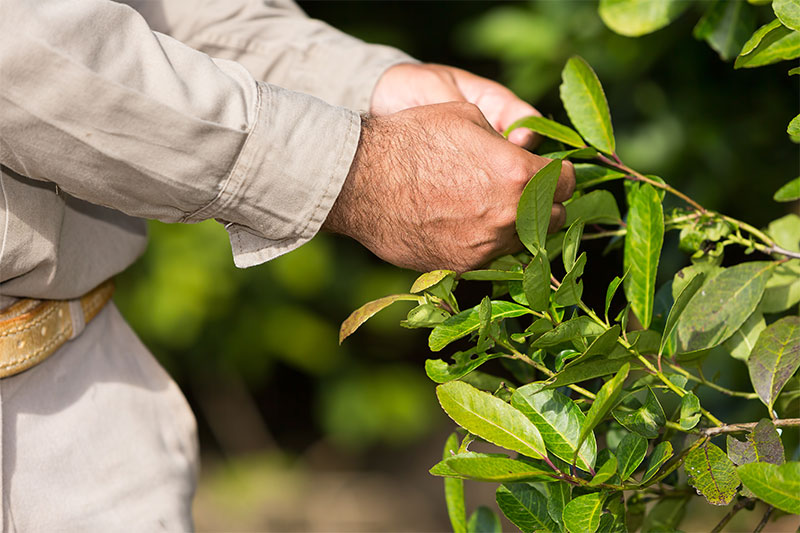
[[741, 343], [630, 454], [582, 514], [536, 282], [429, 279], [634, 18], [491, 418], [783, 288], [643, 243], [794, 127], [690, 411], [593, 368], [535, 205], [677, 308], [589, 175], [586, 105], [775, 358], [484, 520], [647, 420], [492, 468], [468, 321], [571, 288], [549, 128], [604, 401], [596, 207], [759, 35], [763, 445], [464, 363], [366, 311], [525, 507], [606, 471], [454, 490], [558, 496], [779, 43], [712, 474], [791, 191], [658, 457], [572, 241], [722, 305], [726, 26], [612, 290], [602, 345], [788, 12], [492, 275], [666, 515], [778, 486], [559, 421], [575, 153], [582, 326]]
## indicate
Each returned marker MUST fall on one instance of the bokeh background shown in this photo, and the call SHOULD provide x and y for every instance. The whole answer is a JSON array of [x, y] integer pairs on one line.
[[301, 434]]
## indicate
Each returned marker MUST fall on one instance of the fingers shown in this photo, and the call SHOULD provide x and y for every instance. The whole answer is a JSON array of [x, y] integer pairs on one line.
[[558, 215]]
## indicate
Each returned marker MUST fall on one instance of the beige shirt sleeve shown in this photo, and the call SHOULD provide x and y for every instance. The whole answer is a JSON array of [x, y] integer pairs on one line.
[[121, 116]]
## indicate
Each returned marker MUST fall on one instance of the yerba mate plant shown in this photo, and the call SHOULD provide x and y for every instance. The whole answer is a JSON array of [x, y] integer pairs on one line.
[[601, 415]]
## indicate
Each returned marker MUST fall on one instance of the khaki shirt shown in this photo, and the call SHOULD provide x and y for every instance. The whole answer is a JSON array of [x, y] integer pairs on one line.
[[111, 113]]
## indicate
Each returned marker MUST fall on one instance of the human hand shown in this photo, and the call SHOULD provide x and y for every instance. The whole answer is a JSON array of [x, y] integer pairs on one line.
[[437, 187], [409, 85]]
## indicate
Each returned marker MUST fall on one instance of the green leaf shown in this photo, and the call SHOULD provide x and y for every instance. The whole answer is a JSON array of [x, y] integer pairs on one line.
[[558, 496], [491, 418], [582, 514], [777, 44], [722, 306], [642, 250], [741, 343], [763, 445], [726, 26], [572, 241], [775, 358], [586, 104], [535, 330], [575, 153], [525, 507], [613, 521], [492, 275], [429, 279], [483, 520], [548, 128], [589, 175], [630, 454], [791, 191], [602, 345], [778, 486], [666, 515], [611, 291], [634, 18], [468, 321], [465, 362], [793, 72], [559, 421], [366, 311], [604, 401], [786, 232], [536, 282], [647, 420], [658, 457], [758, 36], [571, 288], [793, 128], [535, 205], [596, 207], [678, 307], [494, 468], [594, 368], [783, 288], [425, 316], [788, 12], [606, 471], [690, 411], [712, 474], [582, 326], [454, 490]]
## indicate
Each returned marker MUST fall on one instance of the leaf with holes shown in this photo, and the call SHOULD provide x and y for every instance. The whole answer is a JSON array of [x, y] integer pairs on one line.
[[712, 474], [366, 311], [763, 445], [465, 362]]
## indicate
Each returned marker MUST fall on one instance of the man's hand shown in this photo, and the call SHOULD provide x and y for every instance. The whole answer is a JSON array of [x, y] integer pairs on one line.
[[409, 85], [437, 187]]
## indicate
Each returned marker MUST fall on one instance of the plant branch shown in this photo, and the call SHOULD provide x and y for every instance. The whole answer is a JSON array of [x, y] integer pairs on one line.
[[738, 506], [703, 381], [764, 520], [748, 426]]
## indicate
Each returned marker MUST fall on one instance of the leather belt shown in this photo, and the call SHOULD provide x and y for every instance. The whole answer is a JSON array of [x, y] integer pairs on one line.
[[32, 330]]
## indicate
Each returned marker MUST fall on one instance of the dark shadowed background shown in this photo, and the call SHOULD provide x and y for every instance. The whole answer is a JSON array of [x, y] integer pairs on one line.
[[300, 434]]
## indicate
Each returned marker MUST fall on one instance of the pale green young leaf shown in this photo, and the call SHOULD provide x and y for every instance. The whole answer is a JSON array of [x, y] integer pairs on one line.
[[535, 205], [571, 288], [778, 486], [536, 282], [604, 401], [677, 308], [647, 420], [596, 207], [758, 36], [602, 345], [658, 457], [589, 175], [611, 291], [791, 191], [495, 468], [788, 12], [666, 515], [690, 411], [779, 44], [490, 418], [559, 421], [634, 18], [630, 454], [643, 243], [468, 321], [786, 231], [492, 275], [581, 326], [775, 358], [741, 343], [783, 288], [429, 279], [793, 128], [366, 311], [726, 26], [464, 363], [572, 241], [606, 471], [722, 305], [484, 520], [586, 105], [454, 490], [593, 368], [582, 514], [548, 128], [712, 474], [525, 507]]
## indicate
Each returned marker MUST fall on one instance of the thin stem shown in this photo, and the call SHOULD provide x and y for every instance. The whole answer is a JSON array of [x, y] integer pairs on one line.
[[738, 506], [764, 520], [749, 426], [702, 380]]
